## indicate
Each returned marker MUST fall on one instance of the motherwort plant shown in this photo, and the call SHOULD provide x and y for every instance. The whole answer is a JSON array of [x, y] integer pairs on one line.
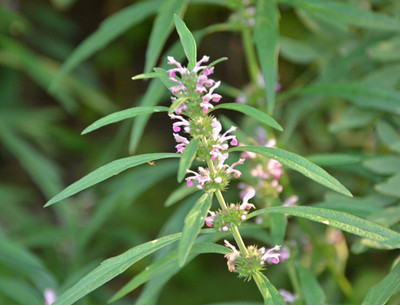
[[201, 138]]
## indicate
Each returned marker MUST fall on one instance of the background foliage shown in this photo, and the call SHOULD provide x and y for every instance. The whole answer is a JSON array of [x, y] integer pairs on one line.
[[338, 104]]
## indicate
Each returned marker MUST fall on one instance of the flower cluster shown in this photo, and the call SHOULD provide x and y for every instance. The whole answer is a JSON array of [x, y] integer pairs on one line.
[[246, 265], [196, 90]]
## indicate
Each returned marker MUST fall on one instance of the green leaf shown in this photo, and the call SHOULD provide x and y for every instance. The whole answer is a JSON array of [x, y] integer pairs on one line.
[[297, 51], [336, 11], [193, 223], [334, 159], [380, 293], [391, 187], [386, 50], [112, 267], [110, 29], [147, 75], [361, 94], [162, 27], [388, 135], [187, 40], [297, 163], [268, 291], [19, 291], [339, 220], [252, 112], [385, 165], [107, 171], [266, 39], [162, 264], [189, 154], [123, 115], [312, 292], [176, 104]]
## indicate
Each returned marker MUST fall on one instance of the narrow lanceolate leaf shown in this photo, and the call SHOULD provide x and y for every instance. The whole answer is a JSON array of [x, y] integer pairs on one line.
[[187, 40], [107, 171], [112, 267], [380, 293], [266, 38], [162, 27], [176, 104], [336, 11], [168, 261], [361, 94], [109, 30], [268, 291], [122, 115], [312, 291], [193, 223], [252, 112], [340, 220], [187, 158], [297, 163]]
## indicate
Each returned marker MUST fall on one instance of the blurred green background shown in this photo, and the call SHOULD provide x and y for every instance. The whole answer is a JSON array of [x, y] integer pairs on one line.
[[42, 151]]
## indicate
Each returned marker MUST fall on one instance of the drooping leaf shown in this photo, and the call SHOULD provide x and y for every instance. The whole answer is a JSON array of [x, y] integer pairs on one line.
[[381, 292], [266, 39], [187, 158], [252, 112], [193, 223], [312, 291], [297, 163], [268, 291], [107, 171], [109, 30], [159, 266], [162, 27], [112, 267], [123, 115], [335, 11], [341, 221], [187, 40]]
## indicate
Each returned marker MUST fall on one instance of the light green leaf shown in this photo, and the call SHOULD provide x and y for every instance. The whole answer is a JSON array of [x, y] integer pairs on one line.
[[266, 39], [388, 135], [193, 223], [107, 171], [385, 165], [361, 94], [162, 264], [312, 291], [176, 104], [109, 30], [297, 163], [391, 187], [19, 291], [187, 40], [123, 115], [252, 112], [345, 12], [147, 75], [112, 267], [334, 159], [268, 291], [297, 51], [353, 117], [380, 293], [189, 154], [162, 27], [386, 50], [341, 221]]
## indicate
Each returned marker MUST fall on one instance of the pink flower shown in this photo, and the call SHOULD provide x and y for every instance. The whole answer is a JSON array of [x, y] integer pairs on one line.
[[270, 256], [176, 127], [275, 168], [49, 296], [287, 296], [246, 205], [210, 96], [182, 142], [210, 219], [236, 173]]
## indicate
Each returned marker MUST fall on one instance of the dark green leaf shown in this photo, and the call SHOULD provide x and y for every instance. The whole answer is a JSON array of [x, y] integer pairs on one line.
[[162, 27], [109, 30], [297, 163], [112, 267], [312, 292], [266, 39], [268, 291], [123, 115], [252, 112], [189, 154], [187, 40], [380, 293], [339, 220], [193, 223], [107, 171]]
